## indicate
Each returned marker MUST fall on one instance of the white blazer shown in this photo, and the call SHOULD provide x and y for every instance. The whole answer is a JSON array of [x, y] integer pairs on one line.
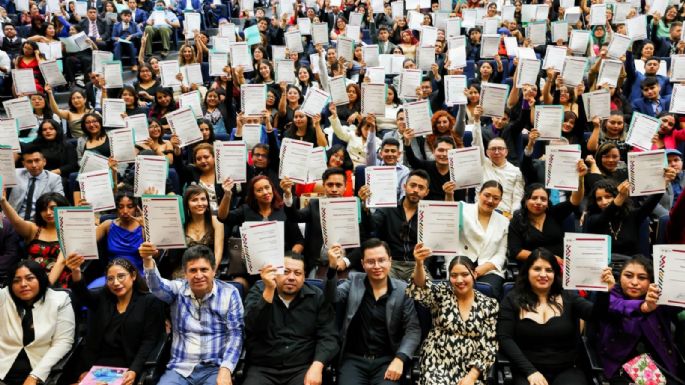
[[54, 325], [484, 245]]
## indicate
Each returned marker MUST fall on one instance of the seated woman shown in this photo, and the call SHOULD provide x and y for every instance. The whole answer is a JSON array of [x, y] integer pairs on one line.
[[94, 137], [461, 346], [125, 321], [38, 325], [60, 155], [40, 236], [202, 172], [610, 211], [156, 142], [201, 228], [336, 156], [125, 233], [606, 164], [262, 203], [613, 130], [537, 224], [539, 323], [635, 323], [483, 235]]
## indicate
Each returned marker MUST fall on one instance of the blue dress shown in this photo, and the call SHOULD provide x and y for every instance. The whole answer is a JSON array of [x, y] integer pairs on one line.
[[122, 243]]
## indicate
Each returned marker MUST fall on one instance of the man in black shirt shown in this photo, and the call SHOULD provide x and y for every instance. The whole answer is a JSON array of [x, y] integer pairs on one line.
[[380, 330], [397, 225], [438, 169], [290, 328]]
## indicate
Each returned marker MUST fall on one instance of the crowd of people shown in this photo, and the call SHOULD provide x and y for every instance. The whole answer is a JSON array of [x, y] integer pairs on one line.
[[359, 310]]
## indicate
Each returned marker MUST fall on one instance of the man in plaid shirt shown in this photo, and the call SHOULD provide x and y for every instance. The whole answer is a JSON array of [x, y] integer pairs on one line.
[[207, 319]]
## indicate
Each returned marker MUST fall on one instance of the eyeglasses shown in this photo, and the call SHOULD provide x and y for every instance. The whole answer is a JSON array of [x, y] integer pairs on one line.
[[119, 277], [497, 149], [258, 155], [379, 262]]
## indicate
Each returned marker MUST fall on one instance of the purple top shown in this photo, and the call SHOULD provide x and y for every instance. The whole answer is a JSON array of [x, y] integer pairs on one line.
[[625, 325]]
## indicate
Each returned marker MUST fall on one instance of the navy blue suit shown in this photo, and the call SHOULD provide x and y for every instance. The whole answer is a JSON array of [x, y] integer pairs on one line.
[[134, 31], [646, 107]]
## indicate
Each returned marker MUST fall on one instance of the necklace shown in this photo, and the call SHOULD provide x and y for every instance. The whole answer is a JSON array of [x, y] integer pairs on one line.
[[614, 234]]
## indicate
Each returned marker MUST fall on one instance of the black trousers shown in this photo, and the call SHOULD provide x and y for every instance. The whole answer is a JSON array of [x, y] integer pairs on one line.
[[570, 376], [260, 375], [358, 370]]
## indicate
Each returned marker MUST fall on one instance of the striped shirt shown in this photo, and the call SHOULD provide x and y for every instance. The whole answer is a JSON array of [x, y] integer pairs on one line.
[[207, 330]]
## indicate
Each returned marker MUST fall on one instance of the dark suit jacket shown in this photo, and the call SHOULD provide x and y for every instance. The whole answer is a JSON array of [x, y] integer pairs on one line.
[[400, 315], [313, 238], [141, 329], [133, 30], [645, 106], [103, 30]]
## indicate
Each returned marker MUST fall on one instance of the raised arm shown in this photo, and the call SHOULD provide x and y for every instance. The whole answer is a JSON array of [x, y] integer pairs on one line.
[[25, 229], [63, 114]]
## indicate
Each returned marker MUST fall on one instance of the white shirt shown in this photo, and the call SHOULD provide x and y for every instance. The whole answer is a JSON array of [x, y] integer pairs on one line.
[[484, 245], [508, 175]]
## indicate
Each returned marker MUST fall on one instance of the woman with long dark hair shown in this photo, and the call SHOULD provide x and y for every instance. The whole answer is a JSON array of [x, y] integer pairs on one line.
[[201, 227], [60, 155], [539, 323], [146, 84], [163, 104], [38, 325], [126, 322], [78, 107], [610, 211], [40, 235], [461, 345], [95, 138], [537, 224]]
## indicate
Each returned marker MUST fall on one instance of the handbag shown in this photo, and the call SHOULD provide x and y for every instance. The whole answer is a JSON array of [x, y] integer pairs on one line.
[[644, 371]]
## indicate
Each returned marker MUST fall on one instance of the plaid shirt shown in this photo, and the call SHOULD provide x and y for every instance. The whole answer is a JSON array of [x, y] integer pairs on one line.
[[208, 330]]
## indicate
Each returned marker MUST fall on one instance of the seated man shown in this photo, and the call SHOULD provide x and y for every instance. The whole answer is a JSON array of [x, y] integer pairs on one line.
[[32, 181], [125, 33], [95, 28], [651, 103], [380, 330], [161, 23], [206, 315], [290, 328]]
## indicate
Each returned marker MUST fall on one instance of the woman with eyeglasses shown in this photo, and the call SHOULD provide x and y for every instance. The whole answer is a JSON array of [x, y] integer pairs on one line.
[[94, 138], [38, 326], [461, 346], [125, 321]]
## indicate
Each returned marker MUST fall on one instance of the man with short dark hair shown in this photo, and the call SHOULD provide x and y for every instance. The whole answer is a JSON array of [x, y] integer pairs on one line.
[[95, 28], [125, 33], [32, 182], [398, 225], [162, 23], [652, 102], [380, 330], [290, 328], [11, 43], [334, 184], [206, 316], [390, 154]]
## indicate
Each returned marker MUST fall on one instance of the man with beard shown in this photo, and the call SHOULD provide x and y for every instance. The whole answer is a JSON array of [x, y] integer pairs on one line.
[[397, 225], [290, 330]]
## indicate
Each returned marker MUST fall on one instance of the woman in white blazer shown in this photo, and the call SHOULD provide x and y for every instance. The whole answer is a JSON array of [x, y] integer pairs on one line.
[[483, 236], [37, 326]]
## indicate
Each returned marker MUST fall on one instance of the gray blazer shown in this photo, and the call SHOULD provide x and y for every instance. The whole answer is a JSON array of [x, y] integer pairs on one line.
[[402, 322], [46, 182]]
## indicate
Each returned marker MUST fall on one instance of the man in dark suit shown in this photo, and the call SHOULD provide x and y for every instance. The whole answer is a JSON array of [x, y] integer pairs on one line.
[[125, 34], [334, 183], [11, 43], [380, 330], [651, 103], [381, 38], [95, 28], [139, 15]]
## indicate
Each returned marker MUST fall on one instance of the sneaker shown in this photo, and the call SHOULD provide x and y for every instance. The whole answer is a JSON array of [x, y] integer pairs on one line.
[[134, 68], [164, 54]]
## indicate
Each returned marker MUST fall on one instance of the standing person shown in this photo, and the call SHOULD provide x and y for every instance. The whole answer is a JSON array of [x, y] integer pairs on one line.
[[380, 331], [286, 317], [206, 316], [462, 345]]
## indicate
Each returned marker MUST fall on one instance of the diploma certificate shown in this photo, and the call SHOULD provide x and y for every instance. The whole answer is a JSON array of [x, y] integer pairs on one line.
[[438, 227], [585, 257], [76, 231], [163, 216]]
